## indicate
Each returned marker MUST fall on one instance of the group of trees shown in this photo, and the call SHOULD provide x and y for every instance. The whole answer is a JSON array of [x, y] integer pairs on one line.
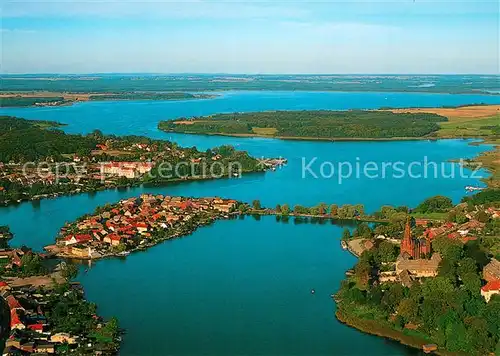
[[318, 124], [5, 236], [488, 196], [437, 204], [346, 211], [27, 141], [68, 311]]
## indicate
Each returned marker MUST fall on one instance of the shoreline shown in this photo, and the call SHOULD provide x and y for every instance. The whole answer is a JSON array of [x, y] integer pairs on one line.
[[371, 327], [325, 139], [71, 98], [117, 187], [311, 90]]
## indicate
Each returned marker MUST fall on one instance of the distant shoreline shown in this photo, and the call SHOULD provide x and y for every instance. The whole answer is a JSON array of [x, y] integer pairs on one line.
[[21, 99]]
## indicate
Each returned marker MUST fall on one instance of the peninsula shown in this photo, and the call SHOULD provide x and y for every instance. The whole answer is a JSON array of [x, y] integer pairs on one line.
[[39, 161]]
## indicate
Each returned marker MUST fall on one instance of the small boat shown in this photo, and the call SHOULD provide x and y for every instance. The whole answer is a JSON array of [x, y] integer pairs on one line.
[[470, 188], [343, 244], [313, 291], [124, 253]]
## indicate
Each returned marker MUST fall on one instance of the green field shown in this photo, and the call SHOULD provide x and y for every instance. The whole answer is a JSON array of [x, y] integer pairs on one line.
[[469, 127]]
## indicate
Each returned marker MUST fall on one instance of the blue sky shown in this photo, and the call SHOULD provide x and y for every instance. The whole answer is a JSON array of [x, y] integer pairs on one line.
[[206, 36]]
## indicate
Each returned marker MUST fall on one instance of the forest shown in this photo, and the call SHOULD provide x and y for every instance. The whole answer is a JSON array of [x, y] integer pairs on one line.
[[312, 124], [24, 140]]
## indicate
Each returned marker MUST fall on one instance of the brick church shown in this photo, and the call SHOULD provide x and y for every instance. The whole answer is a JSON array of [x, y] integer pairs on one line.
[[414, 247]]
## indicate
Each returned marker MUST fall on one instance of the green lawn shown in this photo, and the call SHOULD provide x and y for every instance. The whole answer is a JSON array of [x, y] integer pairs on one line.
[[433, 216]]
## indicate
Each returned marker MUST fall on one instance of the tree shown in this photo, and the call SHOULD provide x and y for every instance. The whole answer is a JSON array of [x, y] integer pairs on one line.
[[242, 208], [408, 309], [346, 234], [387, 252], [334, 209], [483, 217], [392, 297], [387, 211], [256, 204], [285, 209], [359, 209], [322, 209], [363, 230], [466, 265], [471, 282], [70, 271], [362, 273], [278, 209]]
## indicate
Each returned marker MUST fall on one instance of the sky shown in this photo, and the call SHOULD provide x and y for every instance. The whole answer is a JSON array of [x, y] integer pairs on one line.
[[255, 37]]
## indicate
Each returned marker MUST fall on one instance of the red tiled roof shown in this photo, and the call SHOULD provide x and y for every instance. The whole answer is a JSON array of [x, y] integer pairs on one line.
[[14, 319], [491, 286], [12, 302], [83, 238], [3, 284], [38, 327], [115, 237]]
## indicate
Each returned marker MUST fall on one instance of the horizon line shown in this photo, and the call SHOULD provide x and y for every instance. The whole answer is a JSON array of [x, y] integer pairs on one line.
[[235, 73]]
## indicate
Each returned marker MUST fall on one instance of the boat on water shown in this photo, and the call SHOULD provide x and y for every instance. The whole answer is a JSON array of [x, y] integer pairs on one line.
[[124, 253], [471, 188], [343, 244]]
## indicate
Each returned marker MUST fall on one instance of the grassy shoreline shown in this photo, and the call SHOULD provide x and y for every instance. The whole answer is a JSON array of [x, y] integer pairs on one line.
[[373, 328]]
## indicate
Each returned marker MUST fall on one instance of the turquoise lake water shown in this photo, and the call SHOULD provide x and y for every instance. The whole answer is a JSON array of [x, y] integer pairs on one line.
[[243, 287]]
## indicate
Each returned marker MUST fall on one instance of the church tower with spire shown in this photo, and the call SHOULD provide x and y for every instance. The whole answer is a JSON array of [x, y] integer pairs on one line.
[[414, 247], [407, 244]]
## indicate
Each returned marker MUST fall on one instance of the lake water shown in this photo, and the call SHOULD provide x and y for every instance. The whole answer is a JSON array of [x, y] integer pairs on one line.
[[243, 287]]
